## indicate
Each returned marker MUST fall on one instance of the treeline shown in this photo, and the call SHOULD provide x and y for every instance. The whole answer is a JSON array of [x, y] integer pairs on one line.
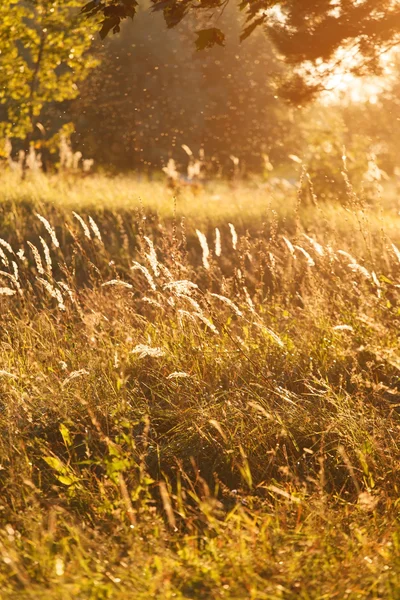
[[153, 92]]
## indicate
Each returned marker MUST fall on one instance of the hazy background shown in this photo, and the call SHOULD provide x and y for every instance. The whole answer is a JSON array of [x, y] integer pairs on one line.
[[152, 92]]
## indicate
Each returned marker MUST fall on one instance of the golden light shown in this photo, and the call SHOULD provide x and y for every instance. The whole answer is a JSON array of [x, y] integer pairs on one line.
[[342, 85]]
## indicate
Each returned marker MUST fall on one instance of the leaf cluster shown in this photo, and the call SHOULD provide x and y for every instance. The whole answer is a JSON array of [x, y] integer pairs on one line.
[[303, 32], [44, 55]]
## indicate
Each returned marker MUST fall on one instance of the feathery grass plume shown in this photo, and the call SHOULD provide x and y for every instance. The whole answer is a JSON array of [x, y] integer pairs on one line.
[[178, 375], [47, 256], [205, 249], [290, 246], [375, 279], [119, 283], [74, 375], [15, 270], [191, 301], [6, 291], [166, 272], [4, 258], [354, 266], [85, 228], [95, 228], [186, 148], [347, 255], [143, 350], [206, 321], [317, 247], [377, 284], [182, 286], [138, 267], [171, 171], [272, 261], [152, 256], [171, 301], [49, 230], [38, 260], [7, 246], [7, 374], [249, 300], [151, 301], [233, 235], [54, 293], [218, 249], [343, 328], [274, 336], [16, 277], [13, 279], [21, 255], [66, 289], [185, 314], [229, 303], [396, 251], [310, 261]]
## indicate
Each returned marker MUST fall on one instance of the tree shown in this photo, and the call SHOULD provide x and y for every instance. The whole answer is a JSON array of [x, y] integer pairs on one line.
[[43, 55], [307, 33], [153, 92]]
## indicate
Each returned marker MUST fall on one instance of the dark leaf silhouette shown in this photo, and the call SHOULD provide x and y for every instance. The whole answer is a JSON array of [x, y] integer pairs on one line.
[[207, 38], [108, 24]]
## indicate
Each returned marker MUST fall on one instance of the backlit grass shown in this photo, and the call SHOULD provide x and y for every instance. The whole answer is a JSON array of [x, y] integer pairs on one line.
[[194, 422]]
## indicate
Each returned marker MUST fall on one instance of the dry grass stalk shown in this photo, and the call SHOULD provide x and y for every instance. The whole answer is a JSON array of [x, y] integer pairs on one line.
[[205, 249]]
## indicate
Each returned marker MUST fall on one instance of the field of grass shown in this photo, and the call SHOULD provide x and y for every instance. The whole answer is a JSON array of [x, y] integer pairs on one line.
[[199, 399]]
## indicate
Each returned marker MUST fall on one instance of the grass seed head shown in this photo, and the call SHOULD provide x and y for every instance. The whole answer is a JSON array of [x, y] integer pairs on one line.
[[47, 256], [205, 249], [138, 267], [233, 235], [6, 245], [118, 283], [218, 249], [143, 350], [38, 260], [6, 291], [152, 257], [85, 228], [95, 228], [49, 230]]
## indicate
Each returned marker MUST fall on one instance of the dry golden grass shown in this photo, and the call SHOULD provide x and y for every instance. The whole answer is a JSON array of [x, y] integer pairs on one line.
[[197, 415]]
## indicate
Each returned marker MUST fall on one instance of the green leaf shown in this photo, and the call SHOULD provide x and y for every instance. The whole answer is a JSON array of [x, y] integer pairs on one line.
[[65, 435], [67, 480], [55, 463], [385, 279], [207, 38]]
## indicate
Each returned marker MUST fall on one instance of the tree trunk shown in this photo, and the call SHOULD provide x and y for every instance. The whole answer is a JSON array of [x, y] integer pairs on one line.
[[33, 88]]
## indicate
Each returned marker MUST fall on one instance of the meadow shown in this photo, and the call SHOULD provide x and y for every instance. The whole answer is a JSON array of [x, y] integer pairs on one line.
[[200, 395]]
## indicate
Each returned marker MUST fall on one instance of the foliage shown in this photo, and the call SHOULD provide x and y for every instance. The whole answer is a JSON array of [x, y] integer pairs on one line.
[[304, 33], [44, 54], [223, 101], [334, 144], [197, 420]]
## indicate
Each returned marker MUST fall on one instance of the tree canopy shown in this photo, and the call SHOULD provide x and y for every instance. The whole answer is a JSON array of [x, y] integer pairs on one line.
[[44, 54], [152, 94], [306, 33]]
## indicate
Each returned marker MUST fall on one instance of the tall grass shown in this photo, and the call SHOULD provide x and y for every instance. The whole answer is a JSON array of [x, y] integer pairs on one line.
[[197, 414]]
